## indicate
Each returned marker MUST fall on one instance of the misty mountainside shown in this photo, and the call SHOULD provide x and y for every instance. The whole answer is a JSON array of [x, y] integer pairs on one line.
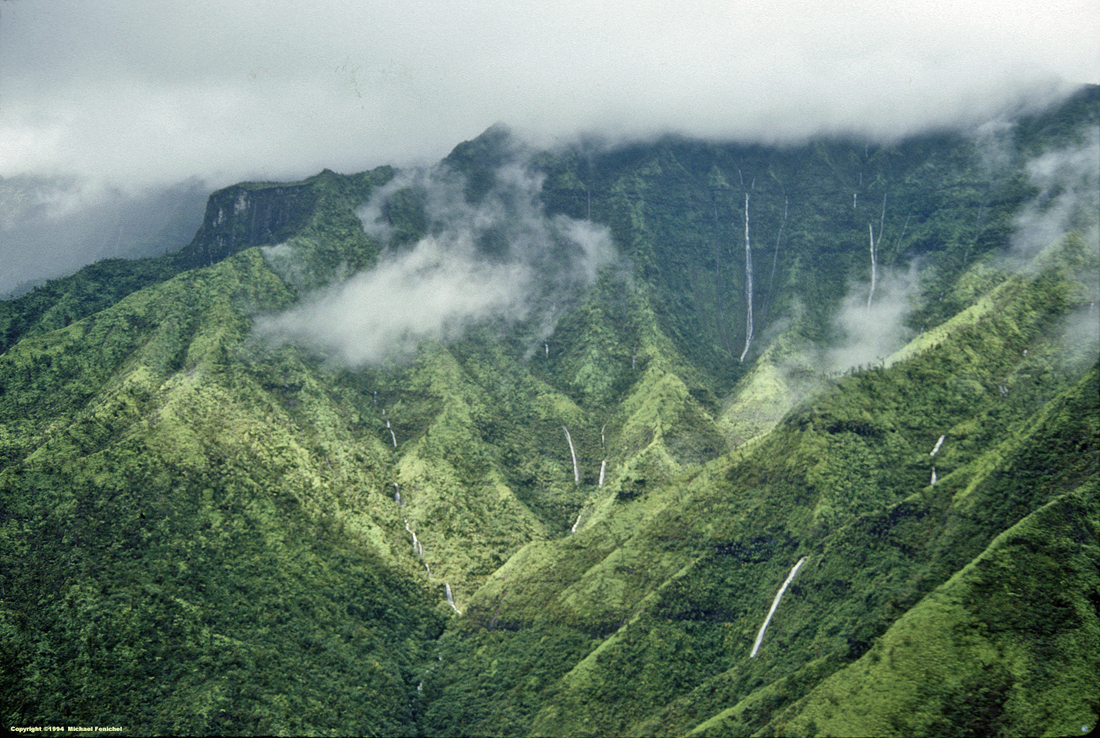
[[664, 438]]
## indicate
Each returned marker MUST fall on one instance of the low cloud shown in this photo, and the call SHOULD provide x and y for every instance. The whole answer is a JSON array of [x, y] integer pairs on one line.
[[128, 93], [870, 331], [134, 91], [1068, 199], [499, 259]]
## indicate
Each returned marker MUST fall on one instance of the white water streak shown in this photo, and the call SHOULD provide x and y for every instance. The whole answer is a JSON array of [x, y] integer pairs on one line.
[[603, 468], [748, 282], [451, 599], [938, 444], [933, 475], [393, 437], [576, 471], [775, 604], [417, 548], [874, 266], [874, 250]]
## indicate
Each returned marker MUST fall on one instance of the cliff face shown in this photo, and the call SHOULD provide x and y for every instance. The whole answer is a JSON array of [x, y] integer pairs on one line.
[[243, 216]]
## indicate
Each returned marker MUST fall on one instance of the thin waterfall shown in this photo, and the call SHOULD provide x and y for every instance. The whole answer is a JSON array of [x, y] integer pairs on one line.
[[417, 548], [748, 282], [775, 256], [603, 468], [903, 229], [874, 250], [775, 604], [576, 471], [874, 266], [451, 599], [938, 444]]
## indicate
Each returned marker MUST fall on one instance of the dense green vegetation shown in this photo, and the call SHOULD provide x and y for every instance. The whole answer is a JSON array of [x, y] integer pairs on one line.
[[205, 531]]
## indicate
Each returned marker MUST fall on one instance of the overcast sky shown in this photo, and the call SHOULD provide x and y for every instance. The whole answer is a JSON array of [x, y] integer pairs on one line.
[[124, 97], [153, 92]]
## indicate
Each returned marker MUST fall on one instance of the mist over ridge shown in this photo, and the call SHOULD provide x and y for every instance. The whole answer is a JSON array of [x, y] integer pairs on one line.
[[466, 245], [498, 259]]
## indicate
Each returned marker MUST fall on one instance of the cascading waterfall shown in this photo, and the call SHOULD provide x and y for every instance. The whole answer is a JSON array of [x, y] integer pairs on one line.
[[396, 494], [936, 450], [775, 604], [603, 445], [874, 266], [882, 219], [748, 282], [575, 524], [418, 548], [576, 471], [874, 250], [903, 229], [451, 599]]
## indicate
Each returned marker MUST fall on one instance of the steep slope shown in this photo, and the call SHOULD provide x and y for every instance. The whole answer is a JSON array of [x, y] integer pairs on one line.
[[496, 448], [682, 579]]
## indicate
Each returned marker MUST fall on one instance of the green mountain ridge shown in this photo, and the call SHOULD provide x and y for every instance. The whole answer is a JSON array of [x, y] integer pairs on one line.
[[570, 515]]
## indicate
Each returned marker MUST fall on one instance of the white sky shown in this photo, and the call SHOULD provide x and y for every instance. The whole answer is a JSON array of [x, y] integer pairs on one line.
[[144, 92]]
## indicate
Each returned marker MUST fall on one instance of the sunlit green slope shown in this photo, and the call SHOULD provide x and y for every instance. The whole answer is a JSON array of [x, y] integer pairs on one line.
[[681, 580], [572, 516]]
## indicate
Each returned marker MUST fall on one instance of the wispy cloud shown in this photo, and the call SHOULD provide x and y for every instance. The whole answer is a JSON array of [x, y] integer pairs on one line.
[[499, 259], [869, 333], [1068, 199]]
